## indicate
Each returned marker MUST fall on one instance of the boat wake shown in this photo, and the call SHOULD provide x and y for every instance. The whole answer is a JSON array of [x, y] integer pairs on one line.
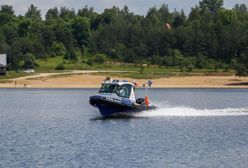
[[191, 112], [166, 110], [179, 112]]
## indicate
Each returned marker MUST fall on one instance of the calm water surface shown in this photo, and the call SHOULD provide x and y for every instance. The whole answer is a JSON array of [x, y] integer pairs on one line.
[[58, 128]]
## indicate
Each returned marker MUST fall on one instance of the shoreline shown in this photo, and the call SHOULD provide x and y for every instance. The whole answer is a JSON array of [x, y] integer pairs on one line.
[[158, 88], [92, 81]]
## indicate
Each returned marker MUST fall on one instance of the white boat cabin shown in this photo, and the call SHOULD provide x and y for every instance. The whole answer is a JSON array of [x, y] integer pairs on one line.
[[121, 88]]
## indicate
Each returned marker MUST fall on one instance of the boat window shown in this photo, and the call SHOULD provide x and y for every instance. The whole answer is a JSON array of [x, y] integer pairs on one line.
[[124, 90], [107, 88]]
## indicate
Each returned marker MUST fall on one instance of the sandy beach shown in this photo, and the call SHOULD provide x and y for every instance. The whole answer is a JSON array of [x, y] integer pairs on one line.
[[78, 79]]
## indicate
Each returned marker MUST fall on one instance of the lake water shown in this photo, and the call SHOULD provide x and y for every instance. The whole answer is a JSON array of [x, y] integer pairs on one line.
[[58, 128]]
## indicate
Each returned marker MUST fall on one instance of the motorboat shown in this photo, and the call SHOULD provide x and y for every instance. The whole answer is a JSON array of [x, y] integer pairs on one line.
[[117, 97]]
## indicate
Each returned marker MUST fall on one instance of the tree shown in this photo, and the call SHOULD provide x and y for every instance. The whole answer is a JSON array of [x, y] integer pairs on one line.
[[201, 61], [58, 49], [33, 13], [29, 61], [66, 13], [4, 47], [212, 5], [7, 10], [52, 14], [109, 14], [80, 29], [60, 66], [10, 32], [86, 12], [99, 58], [179, 19], [63, 33], [6, 14], [23, 27], [176, 57], [227, 16], [210, 33], [164, 13], [187, 64], [242, 64], [142, 68], [194, 14], [89, 13], [241, 8], [129, 56], [71, 55]]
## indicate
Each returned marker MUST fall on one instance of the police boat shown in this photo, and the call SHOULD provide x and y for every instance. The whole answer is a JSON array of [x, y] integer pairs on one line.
[[117, 97]]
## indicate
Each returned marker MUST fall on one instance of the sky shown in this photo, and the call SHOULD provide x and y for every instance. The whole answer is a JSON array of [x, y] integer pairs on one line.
[[136, 6]]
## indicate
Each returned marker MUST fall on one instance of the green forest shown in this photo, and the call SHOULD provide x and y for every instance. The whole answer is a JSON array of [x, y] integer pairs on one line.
[[210, 36]]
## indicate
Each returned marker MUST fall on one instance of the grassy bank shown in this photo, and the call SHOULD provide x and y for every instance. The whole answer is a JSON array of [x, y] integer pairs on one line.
[[153, 73], [134, 71], [52, 62], [11, 75]]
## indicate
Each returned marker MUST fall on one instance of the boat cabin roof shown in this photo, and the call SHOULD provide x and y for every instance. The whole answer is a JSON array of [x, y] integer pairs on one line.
[[117, 82]]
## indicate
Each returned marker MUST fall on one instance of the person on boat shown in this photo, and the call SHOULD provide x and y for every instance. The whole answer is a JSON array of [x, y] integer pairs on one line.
[[135, 83]]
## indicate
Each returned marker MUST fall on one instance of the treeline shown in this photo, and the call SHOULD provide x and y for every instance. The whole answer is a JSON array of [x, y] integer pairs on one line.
[[209, 37]]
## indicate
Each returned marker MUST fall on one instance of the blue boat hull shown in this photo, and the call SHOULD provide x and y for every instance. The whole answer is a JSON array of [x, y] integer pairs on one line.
[[110, 107]]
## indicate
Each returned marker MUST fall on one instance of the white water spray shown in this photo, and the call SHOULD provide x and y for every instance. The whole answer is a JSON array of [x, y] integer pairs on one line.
[[191, 112]]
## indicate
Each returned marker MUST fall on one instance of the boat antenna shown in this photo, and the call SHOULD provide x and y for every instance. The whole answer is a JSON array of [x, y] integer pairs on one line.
[[106, 69], [149, 84], [146, 92]]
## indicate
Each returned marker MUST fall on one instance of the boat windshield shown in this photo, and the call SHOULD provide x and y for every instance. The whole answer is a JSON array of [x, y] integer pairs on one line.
[[108, 88], [124, 90]]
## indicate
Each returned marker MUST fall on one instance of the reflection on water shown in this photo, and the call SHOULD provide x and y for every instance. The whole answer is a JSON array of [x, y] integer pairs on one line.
[[58, 128], [116, 117]]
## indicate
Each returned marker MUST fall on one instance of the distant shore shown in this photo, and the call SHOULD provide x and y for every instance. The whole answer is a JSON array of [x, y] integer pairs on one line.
[[88, 79]]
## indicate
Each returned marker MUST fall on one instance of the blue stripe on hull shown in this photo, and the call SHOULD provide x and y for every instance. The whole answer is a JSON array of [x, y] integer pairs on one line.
[[107, 110]]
